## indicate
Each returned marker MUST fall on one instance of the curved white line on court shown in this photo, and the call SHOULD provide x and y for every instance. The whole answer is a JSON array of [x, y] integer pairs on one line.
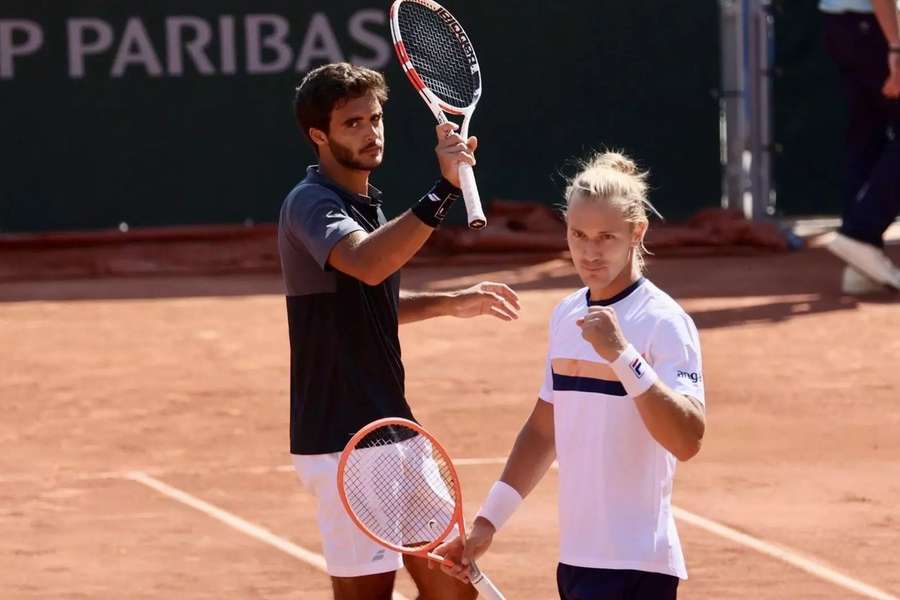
[[235, 522], [783, 554], [780, 553]]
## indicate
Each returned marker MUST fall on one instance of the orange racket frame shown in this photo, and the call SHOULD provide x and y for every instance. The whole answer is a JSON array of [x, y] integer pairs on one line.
[[482, 582], [457, 519]]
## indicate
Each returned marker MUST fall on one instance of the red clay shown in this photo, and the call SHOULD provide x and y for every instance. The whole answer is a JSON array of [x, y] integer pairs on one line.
[[187, 378]]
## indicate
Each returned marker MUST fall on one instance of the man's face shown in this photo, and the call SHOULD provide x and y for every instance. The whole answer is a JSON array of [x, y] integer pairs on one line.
[[600, 240], [355, 134]]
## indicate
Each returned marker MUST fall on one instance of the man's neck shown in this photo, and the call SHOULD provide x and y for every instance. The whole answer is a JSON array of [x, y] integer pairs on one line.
[[624, 279], [352, 180]]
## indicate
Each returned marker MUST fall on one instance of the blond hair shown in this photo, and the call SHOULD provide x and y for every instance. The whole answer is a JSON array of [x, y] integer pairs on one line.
[[614, 178]]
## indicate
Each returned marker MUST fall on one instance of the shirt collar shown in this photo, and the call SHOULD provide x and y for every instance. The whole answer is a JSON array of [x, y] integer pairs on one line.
[[315, 175], [620, 296]]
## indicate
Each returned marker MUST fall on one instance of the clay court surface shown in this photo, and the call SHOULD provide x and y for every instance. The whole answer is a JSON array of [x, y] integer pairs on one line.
[[186, 380]]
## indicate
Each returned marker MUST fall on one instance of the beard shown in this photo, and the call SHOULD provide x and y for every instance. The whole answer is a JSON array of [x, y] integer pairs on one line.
[[347, 158]]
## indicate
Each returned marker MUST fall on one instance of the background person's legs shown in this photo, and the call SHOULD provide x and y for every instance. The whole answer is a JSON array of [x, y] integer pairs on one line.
[[858, 48], [872, 179], [878, 201]]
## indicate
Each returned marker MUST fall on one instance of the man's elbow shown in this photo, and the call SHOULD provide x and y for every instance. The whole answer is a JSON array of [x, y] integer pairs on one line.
[[372, 278], [693, 436], [373, 269], [351, 257], [691, 446], [689, 450], [368, 272]]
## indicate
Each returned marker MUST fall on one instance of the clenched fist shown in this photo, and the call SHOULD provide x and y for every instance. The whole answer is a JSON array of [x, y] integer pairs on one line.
[[600, 327]]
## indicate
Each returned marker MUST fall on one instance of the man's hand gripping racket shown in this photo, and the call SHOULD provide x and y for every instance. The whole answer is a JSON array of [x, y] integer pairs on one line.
[[439, 60], [398, 484]]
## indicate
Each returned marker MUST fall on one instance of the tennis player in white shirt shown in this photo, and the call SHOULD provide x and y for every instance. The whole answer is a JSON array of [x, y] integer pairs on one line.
[[622, 402]]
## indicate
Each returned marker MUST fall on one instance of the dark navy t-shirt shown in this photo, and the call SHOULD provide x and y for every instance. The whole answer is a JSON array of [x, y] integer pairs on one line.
[[345, 349]]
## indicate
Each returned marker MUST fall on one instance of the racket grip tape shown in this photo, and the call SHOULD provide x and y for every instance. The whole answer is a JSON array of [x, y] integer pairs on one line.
[[475, 212]]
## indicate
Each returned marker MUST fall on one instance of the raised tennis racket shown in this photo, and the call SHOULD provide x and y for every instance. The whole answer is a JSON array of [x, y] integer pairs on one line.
[[399, 486], [439, 60]]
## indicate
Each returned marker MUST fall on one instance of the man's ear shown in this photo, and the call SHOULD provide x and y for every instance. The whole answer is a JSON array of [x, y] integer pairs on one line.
[[638, 232], [319, 137]]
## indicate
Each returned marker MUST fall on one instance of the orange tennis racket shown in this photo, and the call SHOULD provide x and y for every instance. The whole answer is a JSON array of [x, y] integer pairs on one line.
[[399, 486]]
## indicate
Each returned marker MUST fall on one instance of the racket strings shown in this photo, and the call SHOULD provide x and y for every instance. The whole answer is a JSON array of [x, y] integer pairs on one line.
[[402, 491], [437, 55]]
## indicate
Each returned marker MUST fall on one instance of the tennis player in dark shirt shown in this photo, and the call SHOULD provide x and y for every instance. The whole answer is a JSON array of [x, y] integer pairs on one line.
[[341, 261]]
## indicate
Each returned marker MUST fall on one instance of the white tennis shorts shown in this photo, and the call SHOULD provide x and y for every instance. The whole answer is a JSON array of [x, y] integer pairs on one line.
[[348, 551]]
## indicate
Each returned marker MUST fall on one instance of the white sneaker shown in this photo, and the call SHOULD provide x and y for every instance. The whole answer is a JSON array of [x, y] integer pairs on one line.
[[865, 258], [855, 283]]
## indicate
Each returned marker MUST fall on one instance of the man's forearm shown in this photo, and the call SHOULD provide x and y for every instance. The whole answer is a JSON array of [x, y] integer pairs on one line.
[[531, 457], [673, 420], [888, 19], [418, 306], [533, 452], [384, 252], [372, 258]]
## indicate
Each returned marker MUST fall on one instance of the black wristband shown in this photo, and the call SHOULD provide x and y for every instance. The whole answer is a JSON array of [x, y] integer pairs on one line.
[[432, 209], [894, 50]]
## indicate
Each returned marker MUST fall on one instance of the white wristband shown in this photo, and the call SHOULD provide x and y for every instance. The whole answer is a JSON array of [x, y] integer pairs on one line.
[[633, 371], [501, 502]]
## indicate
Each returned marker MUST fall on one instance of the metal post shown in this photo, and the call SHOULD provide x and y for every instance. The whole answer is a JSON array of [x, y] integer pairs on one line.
[[745, 106], [760, 65], [732, 117]]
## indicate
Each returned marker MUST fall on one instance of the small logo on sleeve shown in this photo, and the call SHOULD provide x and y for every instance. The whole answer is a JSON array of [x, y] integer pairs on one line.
[[638, 367], [693, 376], [378, 556]]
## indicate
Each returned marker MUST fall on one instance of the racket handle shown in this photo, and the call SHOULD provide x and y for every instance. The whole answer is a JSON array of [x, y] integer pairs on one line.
[[487, 589], [469, 188]]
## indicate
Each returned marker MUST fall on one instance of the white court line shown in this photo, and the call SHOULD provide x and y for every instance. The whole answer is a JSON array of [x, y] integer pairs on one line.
[[783, 554], [198, 468], [786, 555], [235, 522], [463, 462]]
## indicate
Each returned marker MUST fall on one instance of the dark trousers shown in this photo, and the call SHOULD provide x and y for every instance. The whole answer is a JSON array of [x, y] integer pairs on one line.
[[581, 583], [872, 186]]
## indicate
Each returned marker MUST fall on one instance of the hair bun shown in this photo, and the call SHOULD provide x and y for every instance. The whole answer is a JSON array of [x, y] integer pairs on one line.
[[615, 161]]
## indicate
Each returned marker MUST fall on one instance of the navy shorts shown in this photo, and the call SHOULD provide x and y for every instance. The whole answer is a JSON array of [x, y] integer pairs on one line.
[[581, 583]]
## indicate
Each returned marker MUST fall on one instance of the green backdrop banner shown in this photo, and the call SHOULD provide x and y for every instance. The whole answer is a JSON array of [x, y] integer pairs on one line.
[[179, 112]]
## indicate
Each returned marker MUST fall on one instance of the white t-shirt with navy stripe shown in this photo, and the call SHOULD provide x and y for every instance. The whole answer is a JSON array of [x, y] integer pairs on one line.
[[615, 480]]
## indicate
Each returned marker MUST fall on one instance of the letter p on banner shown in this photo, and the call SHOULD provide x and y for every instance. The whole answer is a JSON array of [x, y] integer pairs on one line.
[[17, 38]]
